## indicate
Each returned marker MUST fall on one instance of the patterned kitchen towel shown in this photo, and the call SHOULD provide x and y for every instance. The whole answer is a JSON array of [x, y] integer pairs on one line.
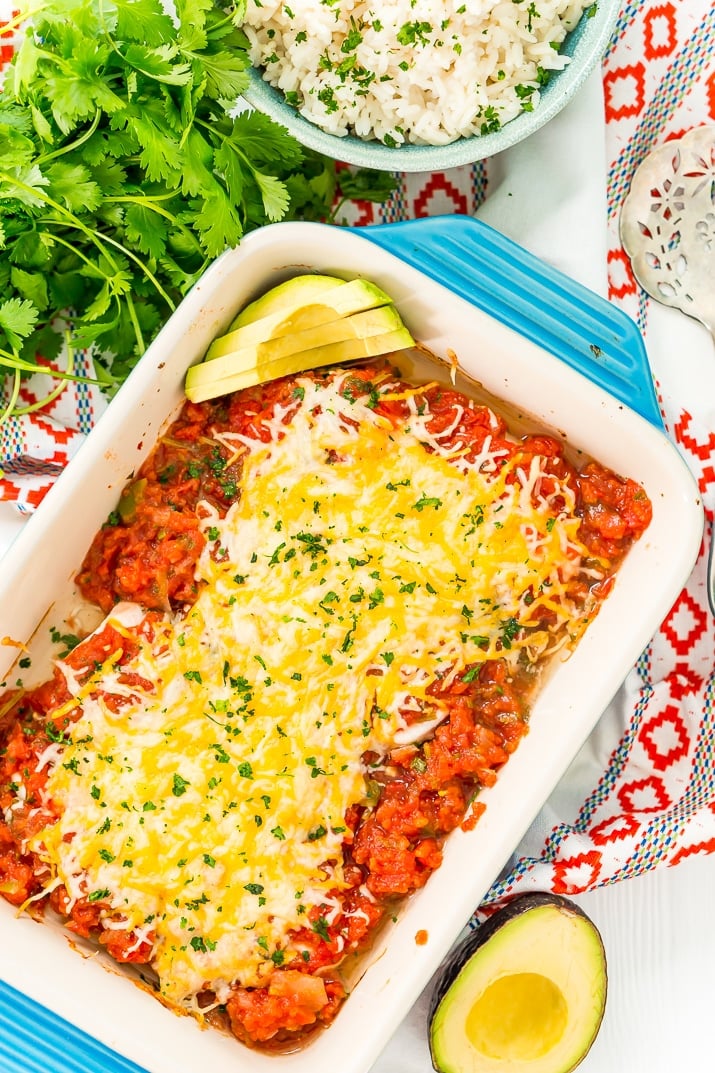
[[642, 791]]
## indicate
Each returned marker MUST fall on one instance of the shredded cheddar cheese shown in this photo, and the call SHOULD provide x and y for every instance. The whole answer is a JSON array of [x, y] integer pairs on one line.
[[362, 564]]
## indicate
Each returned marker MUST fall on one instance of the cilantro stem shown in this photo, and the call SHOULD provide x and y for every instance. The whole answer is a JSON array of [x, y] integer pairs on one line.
[[150, 203], [20, 17], [78, 253], [95, 237], [15, 391], [72, 145], [70, 219], [63, 66], [15, 362], [74, 222], [145, 269], [64, 377], [231, 144], [128, 298], [335, 210], [19, 366], [135, 323]]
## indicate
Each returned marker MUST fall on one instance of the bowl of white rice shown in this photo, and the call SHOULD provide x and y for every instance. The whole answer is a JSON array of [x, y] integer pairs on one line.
[[420, 85]]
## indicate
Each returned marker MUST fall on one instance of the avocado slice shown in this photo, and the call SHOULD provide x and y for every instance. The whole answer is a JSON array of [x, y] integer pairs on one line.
[[299, 308], [359, 326], [525, 993], [329, 354], [302, 290]]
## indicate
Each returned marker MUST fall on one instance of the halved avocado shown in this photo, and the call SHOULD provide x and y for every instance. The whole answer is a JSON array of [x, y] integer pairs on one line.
[[297, 305], [524, 993]]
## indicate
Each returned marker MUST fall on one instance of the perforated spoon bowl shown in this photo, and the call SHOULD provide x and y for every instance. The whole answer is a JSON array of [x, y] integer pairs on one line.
[[667, 224], [667, 228]]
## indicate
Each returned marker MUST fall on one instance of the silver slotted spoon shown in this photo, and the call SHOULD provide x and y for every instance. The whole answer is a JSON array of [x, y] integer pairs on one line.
[[667, 228]]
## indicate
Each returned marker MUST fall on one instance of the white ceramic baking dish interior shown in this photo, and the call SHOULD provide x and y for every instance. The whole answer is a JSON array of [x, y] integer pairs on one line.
[[36, 593]]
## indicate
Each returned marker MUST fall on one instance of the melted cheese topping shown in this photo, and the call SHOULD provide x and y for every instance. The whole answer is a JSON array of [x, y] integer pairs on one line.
[[206, 813]]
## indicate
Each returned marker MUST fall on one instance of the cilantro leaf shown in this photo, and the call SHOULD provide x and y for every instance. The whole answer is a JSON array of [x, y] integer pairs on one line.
[[73, 185], [32, 286], [25, 185], [218, 222], [258, 138], [18, 317], [156, 63], [146, 230], [226, 74], [273, 194], [145, 21]]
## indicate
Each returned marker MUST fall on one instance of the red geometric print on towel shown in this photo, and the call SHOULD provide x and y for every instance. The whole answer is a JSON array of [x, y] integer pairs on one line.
[[660, 31], [576, 873], [439, 189], [684, 681], [35, 496], [644, 795], [685, 623], [665, 738], [701, 448], [708, 846], [710, 95], [9, 491], [621, 281], [58, 433], [364, 213], [7, 44], [614, 829], [624, 91]]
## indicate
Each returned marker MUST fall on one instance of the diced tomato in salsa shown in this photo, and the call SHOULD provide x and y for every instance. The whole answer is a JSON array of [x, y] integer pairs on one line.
[[147, 553]]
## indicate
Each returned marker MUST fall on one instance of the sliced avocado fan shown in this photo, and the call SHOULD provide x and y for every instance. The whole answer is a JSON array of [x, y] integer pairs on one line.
[[299, 311], [350, 321], [330, 354]]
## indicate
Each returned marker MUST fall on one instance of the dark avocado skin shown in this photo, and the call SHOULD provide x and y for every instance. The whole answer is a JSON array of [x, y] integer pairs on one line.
[[460, 955]]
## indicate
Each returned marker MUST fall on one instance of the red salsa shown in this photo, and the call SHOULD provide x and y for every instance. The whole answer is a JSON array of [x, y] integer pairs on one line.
[[416, 792]]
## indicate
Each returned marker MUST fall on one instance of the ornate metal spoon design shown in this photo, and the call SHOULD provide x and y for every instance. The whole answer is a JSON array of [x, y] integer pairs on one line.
[[668, 224]]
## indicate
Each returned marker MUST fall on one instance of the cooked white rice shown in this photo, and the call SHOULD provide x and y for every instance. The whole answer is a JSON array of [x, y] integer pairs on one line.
[[424, 71]]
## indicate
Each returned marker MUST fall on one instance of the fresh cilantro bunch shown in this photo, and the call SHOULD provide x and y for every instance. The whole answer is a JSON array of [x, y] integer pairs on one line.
[[124, 171]]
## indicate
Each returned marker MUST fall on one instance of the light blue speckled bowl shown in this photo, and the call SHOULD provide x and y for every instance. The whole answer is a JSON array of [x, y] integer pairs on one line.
[[584, 45]]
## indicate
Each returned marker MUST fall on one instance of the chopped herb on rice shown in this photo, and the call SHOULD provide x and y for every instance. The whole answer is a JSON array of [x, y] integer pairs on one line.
[[421, 71]]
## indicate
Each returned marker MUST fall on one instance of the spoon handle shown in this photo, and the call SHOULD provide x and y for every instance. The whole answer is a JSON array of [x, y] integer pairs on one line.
[[711, 572]]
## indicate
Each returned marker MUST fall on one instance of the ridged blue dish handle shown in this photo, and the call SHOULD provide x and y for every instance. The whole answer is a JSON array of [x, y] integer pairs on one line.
[[541, 303], [538, 301], [33, 1040]]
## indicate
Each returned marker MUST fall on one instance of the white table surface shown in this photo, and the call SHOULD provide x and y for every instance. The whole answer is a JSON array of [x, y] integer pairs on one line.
[[659, 935]]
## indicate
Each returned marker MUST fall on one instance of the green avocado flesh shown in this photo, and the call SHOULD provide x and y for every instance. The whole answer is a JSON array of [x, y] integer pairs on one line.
[[293, 337], [360, 326], [528, 999], [297, 310], [332, 353], [304, 290]]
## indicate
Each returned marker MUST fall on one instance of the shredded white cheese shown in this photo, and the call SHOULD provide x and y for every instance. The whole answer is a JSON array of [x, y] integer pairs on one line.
[[206, 812]]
